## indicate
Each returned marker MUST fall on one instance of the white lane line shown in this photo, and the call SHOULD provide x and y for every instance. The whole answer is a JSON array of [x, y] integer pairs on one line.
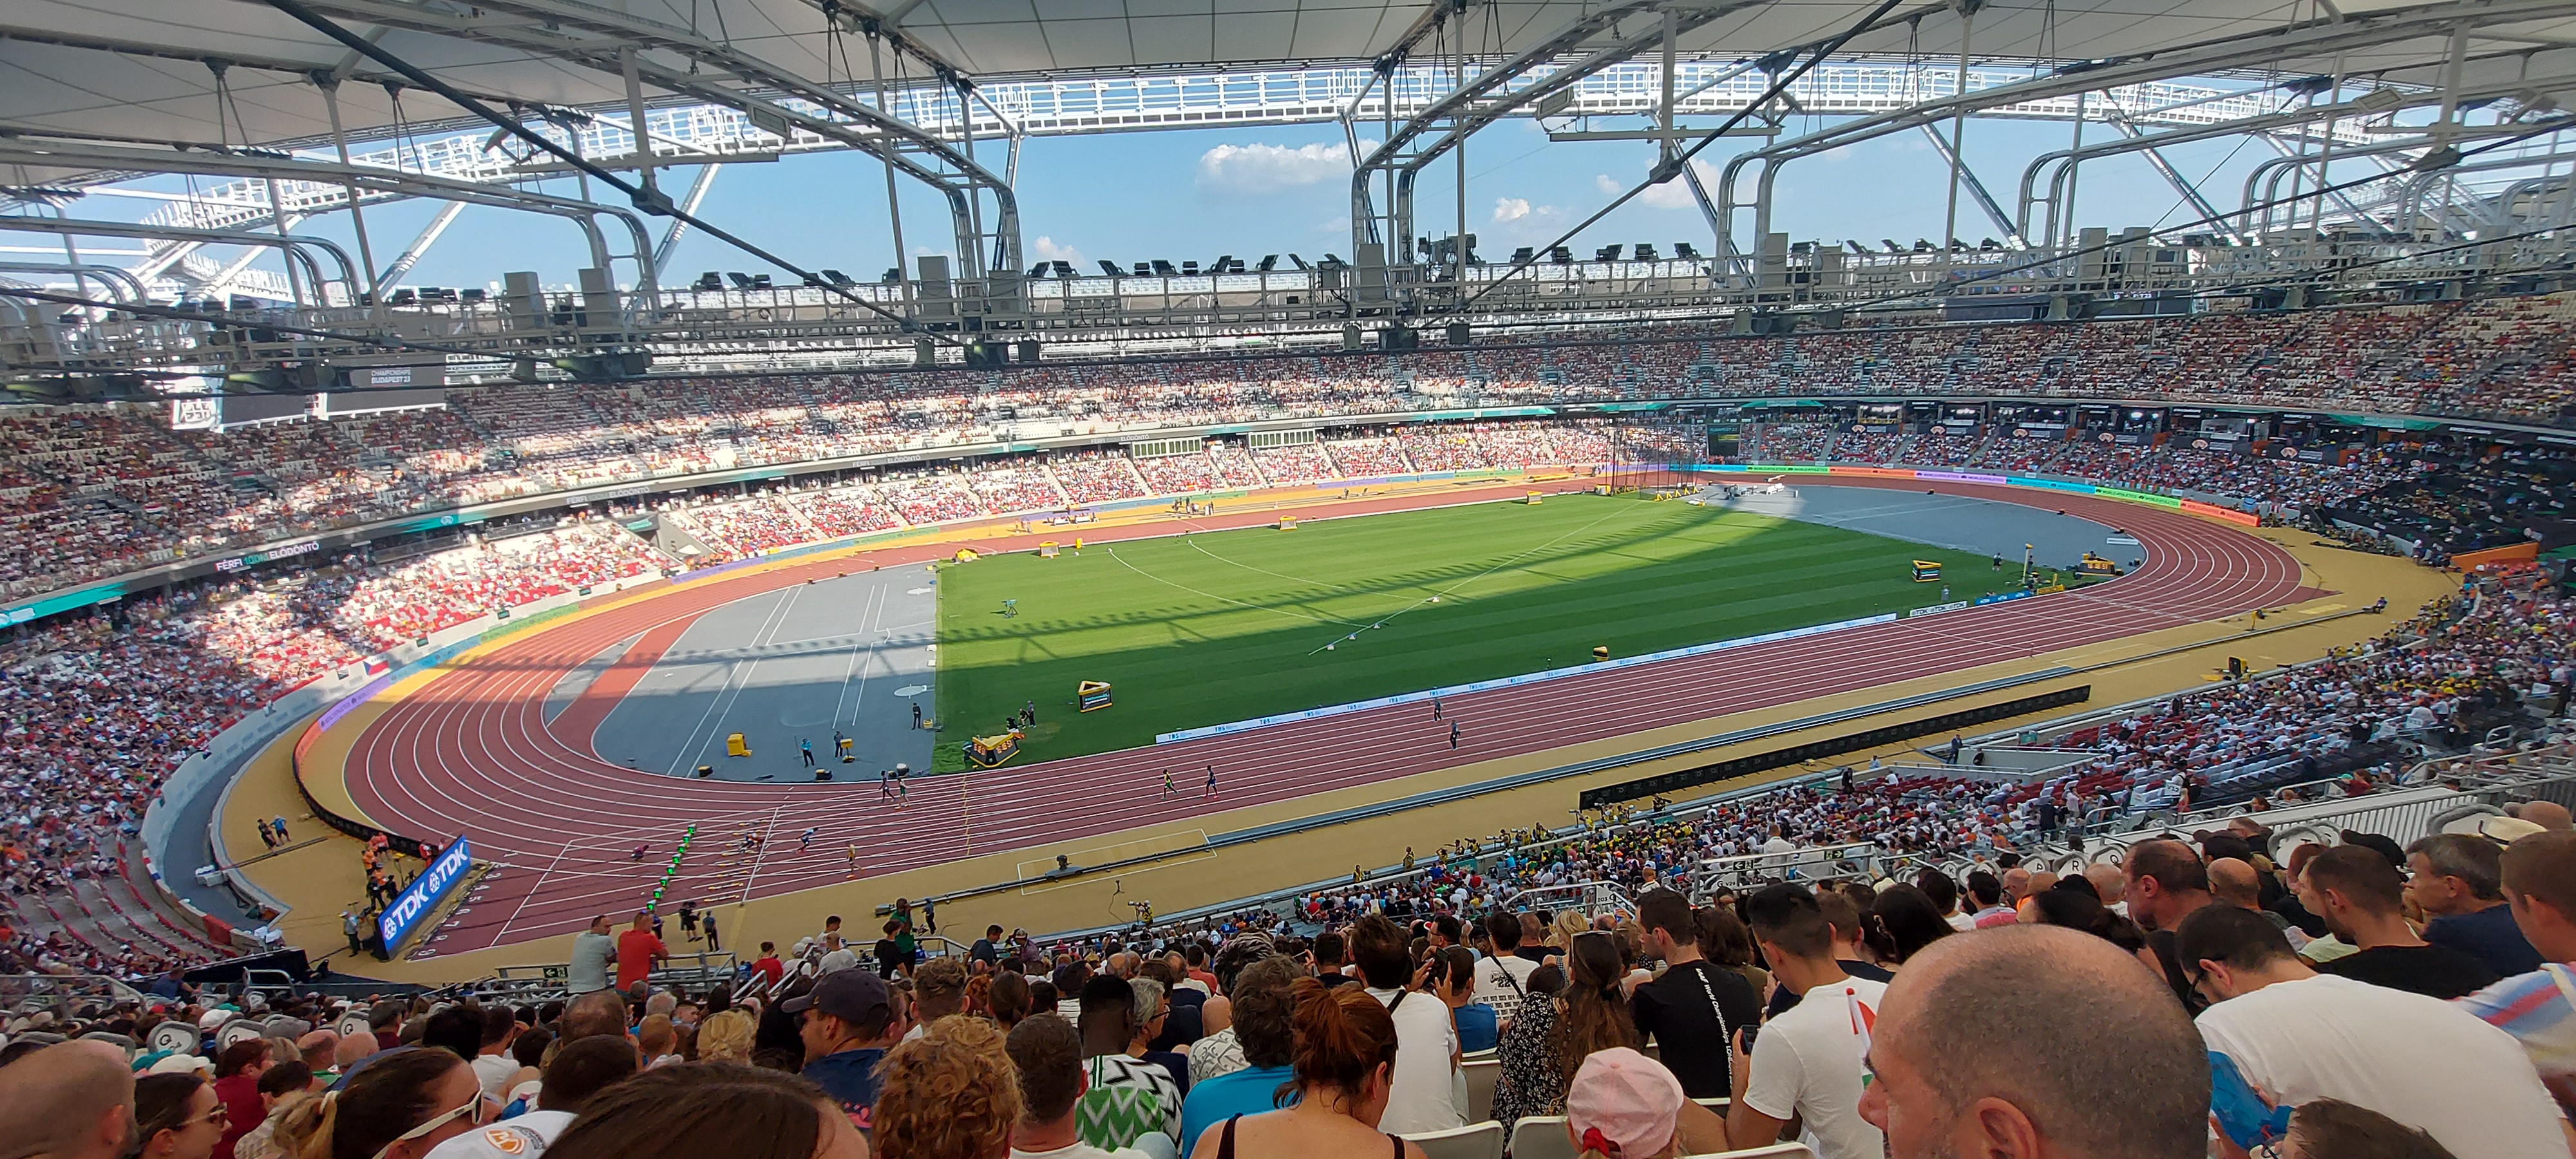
[[533, 887], [858, 647], [736, 679], [768, 833]]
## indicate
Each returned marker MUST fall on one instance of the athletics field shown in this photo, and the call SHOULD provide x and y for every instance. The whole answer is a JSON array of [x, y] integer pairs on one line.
[[1205, 629]]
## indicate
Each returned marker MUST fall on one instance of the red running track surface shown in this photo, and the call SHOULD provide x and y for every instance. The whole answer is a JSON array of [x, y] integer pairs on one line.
[[473, 753]]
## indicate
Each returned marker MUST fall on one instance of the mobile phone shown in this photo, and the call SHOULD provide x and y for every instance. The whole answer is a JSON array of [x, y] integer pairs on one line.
[[1745, 1036]]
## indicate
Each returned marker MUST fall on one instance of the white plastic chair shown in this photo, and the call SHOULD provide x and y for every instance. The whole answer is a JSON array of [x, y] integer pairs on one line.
[[1482, 1074], [1774, 1151], [1475, 1141], [1541, 1137]]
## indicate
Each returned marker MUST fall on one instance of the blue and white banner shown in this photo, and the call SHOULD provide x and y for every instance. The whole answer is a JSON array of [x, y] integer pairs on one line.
[[424, 893]]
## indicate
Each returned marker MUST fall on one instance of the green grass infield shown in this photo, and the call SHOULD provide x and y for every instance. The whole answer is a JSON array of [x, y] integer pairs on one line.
[[1205, 629]]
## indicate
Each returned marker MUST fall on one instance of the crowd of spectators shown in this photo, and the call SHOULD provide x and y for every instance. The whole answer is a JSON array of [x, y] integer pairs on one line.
[[2472, 499], [2269, 485], [100, 708], [2237, 992], [93, 491], [96, 711]]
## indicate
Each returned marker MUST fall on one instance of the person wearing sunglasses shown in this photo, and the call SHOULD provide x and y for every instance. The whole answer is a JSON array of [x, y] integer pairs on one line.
[[177, 1116], [399, 1105]]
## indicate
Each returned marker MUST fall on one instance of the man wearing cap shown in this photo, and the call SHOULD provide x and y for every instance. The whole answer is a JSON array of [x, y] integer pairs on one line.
[[849, 1020]]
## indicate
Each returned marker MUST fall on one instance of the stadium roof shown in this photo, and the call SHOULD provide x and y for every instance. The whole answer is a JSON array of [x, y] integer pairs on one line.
[[149, 72]]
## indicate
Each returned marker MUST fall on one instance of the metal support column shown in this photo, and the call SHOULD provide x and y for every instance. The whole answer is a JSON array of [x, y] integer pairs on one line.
[[1958, 123], [1961, 174], [894, 202], [689, 202], [330, 86], [404, 261], [277, 213], [2061, 229], [635, 121]]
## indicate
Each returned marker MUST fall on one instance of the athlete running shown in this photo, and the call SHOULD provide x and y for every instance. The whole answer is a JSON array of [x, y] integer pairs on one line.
[[1211, 782], [807, 840], [1168, 787]]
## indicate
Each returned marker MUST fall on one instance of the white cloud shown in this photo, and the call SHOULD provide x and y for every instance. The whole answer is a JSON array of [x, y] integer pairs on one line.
[[1044, 249], [1518, 221], [1673, 194], [1263, 168]]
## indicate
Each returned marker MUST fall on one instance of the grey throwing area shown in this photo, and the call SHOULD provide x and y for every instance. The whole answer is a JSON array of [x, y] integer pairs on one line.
[[787, 667], [1958, 522]]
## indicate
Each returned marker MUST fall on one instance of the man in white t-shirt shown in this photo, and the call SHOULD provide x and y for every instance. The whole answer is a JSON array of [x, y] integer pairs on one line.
[[1503, 979], [494, 1066], [581, 1068], [1806, 1065], [1424, 1097], [2281, 1034]]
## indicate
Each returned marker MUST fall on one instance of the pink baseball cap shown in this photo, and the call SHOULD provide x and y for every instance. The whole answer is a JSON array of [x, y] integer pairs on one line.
[[1625, 1100]]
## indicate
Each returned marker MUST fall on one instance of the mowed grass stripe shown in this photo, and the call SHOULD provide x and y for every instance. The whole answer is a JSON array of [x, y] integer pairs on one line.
[[1206, 629]]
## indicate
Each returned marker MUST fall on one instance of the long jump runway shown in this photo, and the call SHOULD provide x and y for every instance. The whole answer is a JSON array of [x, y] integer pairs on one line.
[[474, 752]]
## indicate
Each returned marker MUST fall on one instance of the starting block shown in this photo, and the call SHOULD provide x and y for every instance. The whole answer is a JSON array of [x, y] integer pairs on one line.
[[735, 746]]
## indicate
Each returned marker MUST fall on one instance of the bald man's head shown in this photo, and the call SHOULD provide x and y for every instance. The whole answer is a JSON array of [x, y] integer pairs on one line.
[[2090, 1051], [2548, 815], [72, 1100], [353, 1047], [2234, 882]]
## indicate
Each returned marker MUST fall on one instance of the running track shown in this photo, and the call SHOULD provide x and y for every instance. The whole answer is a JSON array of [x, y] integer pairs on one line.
[[473, 753]]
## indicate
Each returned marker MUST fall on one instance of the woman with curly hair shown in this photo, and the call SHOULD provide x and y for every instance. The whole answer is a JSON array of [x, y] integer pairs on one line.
[[692, 1110], [950, 1094], [1548, 1040], [726, 1037]]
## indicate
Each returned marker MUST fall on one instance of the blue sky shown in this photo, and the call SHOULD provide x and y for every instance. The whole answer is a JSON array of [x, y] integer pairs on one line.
[[1194, 195]]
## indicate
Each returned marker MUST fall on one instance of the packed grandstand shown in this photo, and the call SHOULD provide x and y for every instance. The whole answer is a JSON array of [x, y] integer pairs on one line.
[[102, 707], [96, 492]]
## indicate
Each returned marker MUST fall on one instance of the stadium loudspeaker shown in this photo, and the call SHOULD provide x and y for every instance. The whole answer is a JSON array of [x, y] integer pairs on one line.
[[1350, 337], [1026, 351], [706, 770], [1457, 334], [925, 352], [1396, 339]]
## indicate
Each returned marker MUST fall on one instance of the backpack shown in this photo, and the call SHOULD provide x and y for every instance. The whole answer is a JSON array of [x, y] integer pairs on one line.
[[1110, 1117]]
